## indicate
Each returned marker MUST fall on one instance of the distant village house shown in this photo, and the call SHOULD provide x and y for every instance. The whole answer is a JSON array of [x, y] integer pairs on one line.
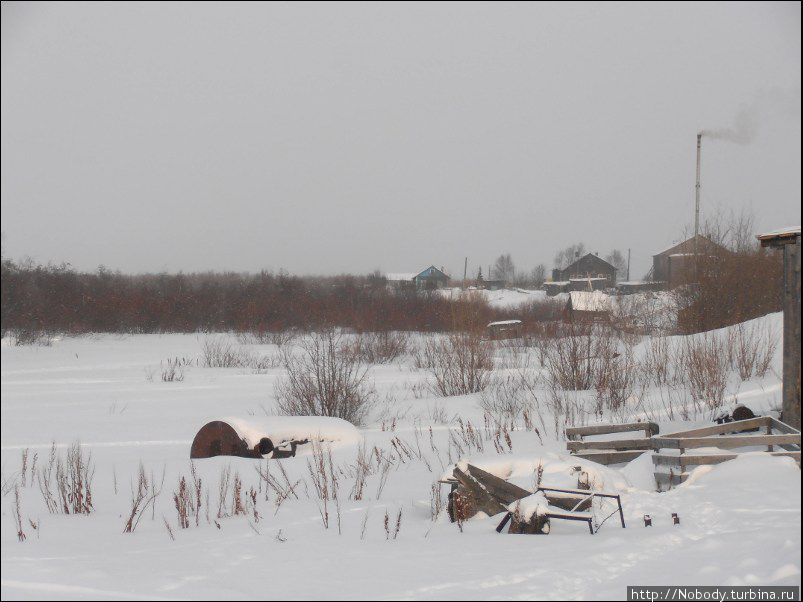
[[676, 265], [587, 273], [429, 279]]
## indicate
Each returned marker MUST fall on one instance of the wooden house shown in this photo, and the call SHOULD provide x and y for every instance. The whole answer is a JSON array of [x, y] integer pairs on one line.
[[675, 266], [585, 267]]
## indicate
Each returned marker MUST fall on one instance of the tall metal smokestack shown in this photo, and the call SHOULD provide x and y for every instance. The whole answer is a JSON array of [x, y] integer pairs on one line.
[[697, 188], [697, 198]]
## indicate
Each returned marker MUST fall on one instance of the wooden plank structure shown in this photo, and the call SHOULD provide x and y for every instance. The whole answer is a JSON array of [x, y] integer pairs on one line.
[[610, 451], [475, 490], [788, 240], [778, 438]]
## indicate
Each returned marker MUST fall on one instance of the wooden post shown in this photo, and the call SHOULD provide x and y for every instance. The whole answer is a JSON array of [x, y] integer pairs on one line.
[[791, 335], [788, 240]]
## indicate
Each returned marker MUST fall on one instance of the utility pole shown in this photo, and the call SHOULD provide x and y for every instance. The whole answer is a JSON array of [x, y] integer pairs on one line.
[[628, 265], [465, 270], [697, 204]]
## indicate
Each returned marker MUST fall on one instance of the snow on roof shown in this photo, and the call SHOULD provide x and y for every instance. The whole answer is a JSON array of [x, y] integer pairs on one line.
[[780, 233], [557, 283], [595, 301], [397, 276], [504, 323], [587, 278]]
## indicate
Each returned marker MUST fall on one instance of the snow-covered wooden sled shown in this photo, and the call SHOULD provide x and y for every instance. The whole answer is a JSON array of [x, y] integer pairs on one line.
[[475, 490], [273, 437]]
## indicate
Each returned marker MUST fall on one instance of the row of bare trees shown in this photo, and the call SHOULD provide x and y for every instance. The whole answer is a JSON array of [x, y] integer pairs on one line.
[[49, 299]]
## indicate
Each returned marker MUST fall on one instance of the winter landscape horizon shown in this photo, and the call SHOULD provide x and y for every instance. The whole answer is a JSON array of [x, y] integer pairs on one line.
[[400, 301]]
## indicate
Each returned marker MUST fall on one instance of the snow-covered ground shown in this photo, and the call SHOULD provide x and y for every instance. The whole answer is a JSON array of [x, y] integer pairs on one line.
[[739, 521]]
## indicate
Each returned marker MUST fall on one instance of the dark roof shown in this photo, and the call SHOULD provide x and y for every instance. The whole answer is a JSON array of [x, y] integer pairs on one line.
[[431, 272], [673, 250], [597, 257]]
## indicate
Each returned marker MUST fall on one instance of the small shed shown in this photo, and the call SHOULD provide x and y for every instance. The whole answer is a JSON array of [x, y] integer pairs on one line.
[[504, 329], [788, 241]]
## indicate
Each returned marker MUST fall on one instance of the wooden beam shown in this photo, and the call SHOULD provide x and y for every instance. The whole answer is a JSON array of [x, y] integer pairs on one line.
[[724, 442], [722, 429], [610, 457], [616, 444], [650, 428], [684, 460]]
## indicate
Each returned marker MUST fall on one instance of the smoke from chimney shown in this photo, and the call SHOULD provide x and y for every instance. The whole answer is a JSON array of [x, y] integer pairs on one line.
[[743, 130], [775, 102]]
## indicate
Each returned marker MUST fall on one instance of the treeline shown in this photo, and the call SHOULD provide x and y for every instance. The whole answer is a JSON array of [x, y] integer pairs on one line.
[[37, 298]]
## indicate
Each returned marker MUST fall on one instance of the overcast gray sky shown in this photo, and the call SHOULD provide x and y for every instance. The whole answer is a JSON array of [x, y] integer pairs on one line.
[[327, 138]]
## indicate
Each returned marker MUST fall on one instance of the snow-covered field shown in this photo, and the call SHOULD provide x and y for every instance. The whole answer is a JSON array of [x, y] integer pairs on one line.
[[739, 521]]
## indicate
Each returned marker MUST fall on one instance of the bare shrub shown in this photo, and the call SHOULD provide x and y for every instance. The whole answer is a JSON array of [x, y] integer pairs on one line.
[[705, 365], [462, 363], [512, 397], [66, 481], [17, 514], [326, 482], [33, 336], [572, 360], [616, 381], [142, 497], [326, 378], [659, 360], [267, 337], [172, 370], [753, 346], [382, 347], [220, 352]]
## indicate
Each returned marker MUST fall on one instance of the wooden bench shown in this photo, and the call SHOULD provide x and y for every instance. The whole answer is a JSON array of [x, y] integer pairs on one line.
[[727, 436], [610, 451]]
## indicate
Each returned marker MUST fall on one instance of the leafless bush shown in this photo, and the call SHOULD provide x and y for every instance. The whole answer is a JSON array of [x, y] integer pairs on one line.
[[572, 360], [66, 482], [172, 370], [616, 380], [187, 500], [659, 360], [74, 477], [32, 336], [705, 362], [142, 497], [220, 352], [326, 482], [267, 337], [512, 396], [16, 513], [325, 379], [462, 363], [382, 347], [423, 354], [752, 346], [436, 501]]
